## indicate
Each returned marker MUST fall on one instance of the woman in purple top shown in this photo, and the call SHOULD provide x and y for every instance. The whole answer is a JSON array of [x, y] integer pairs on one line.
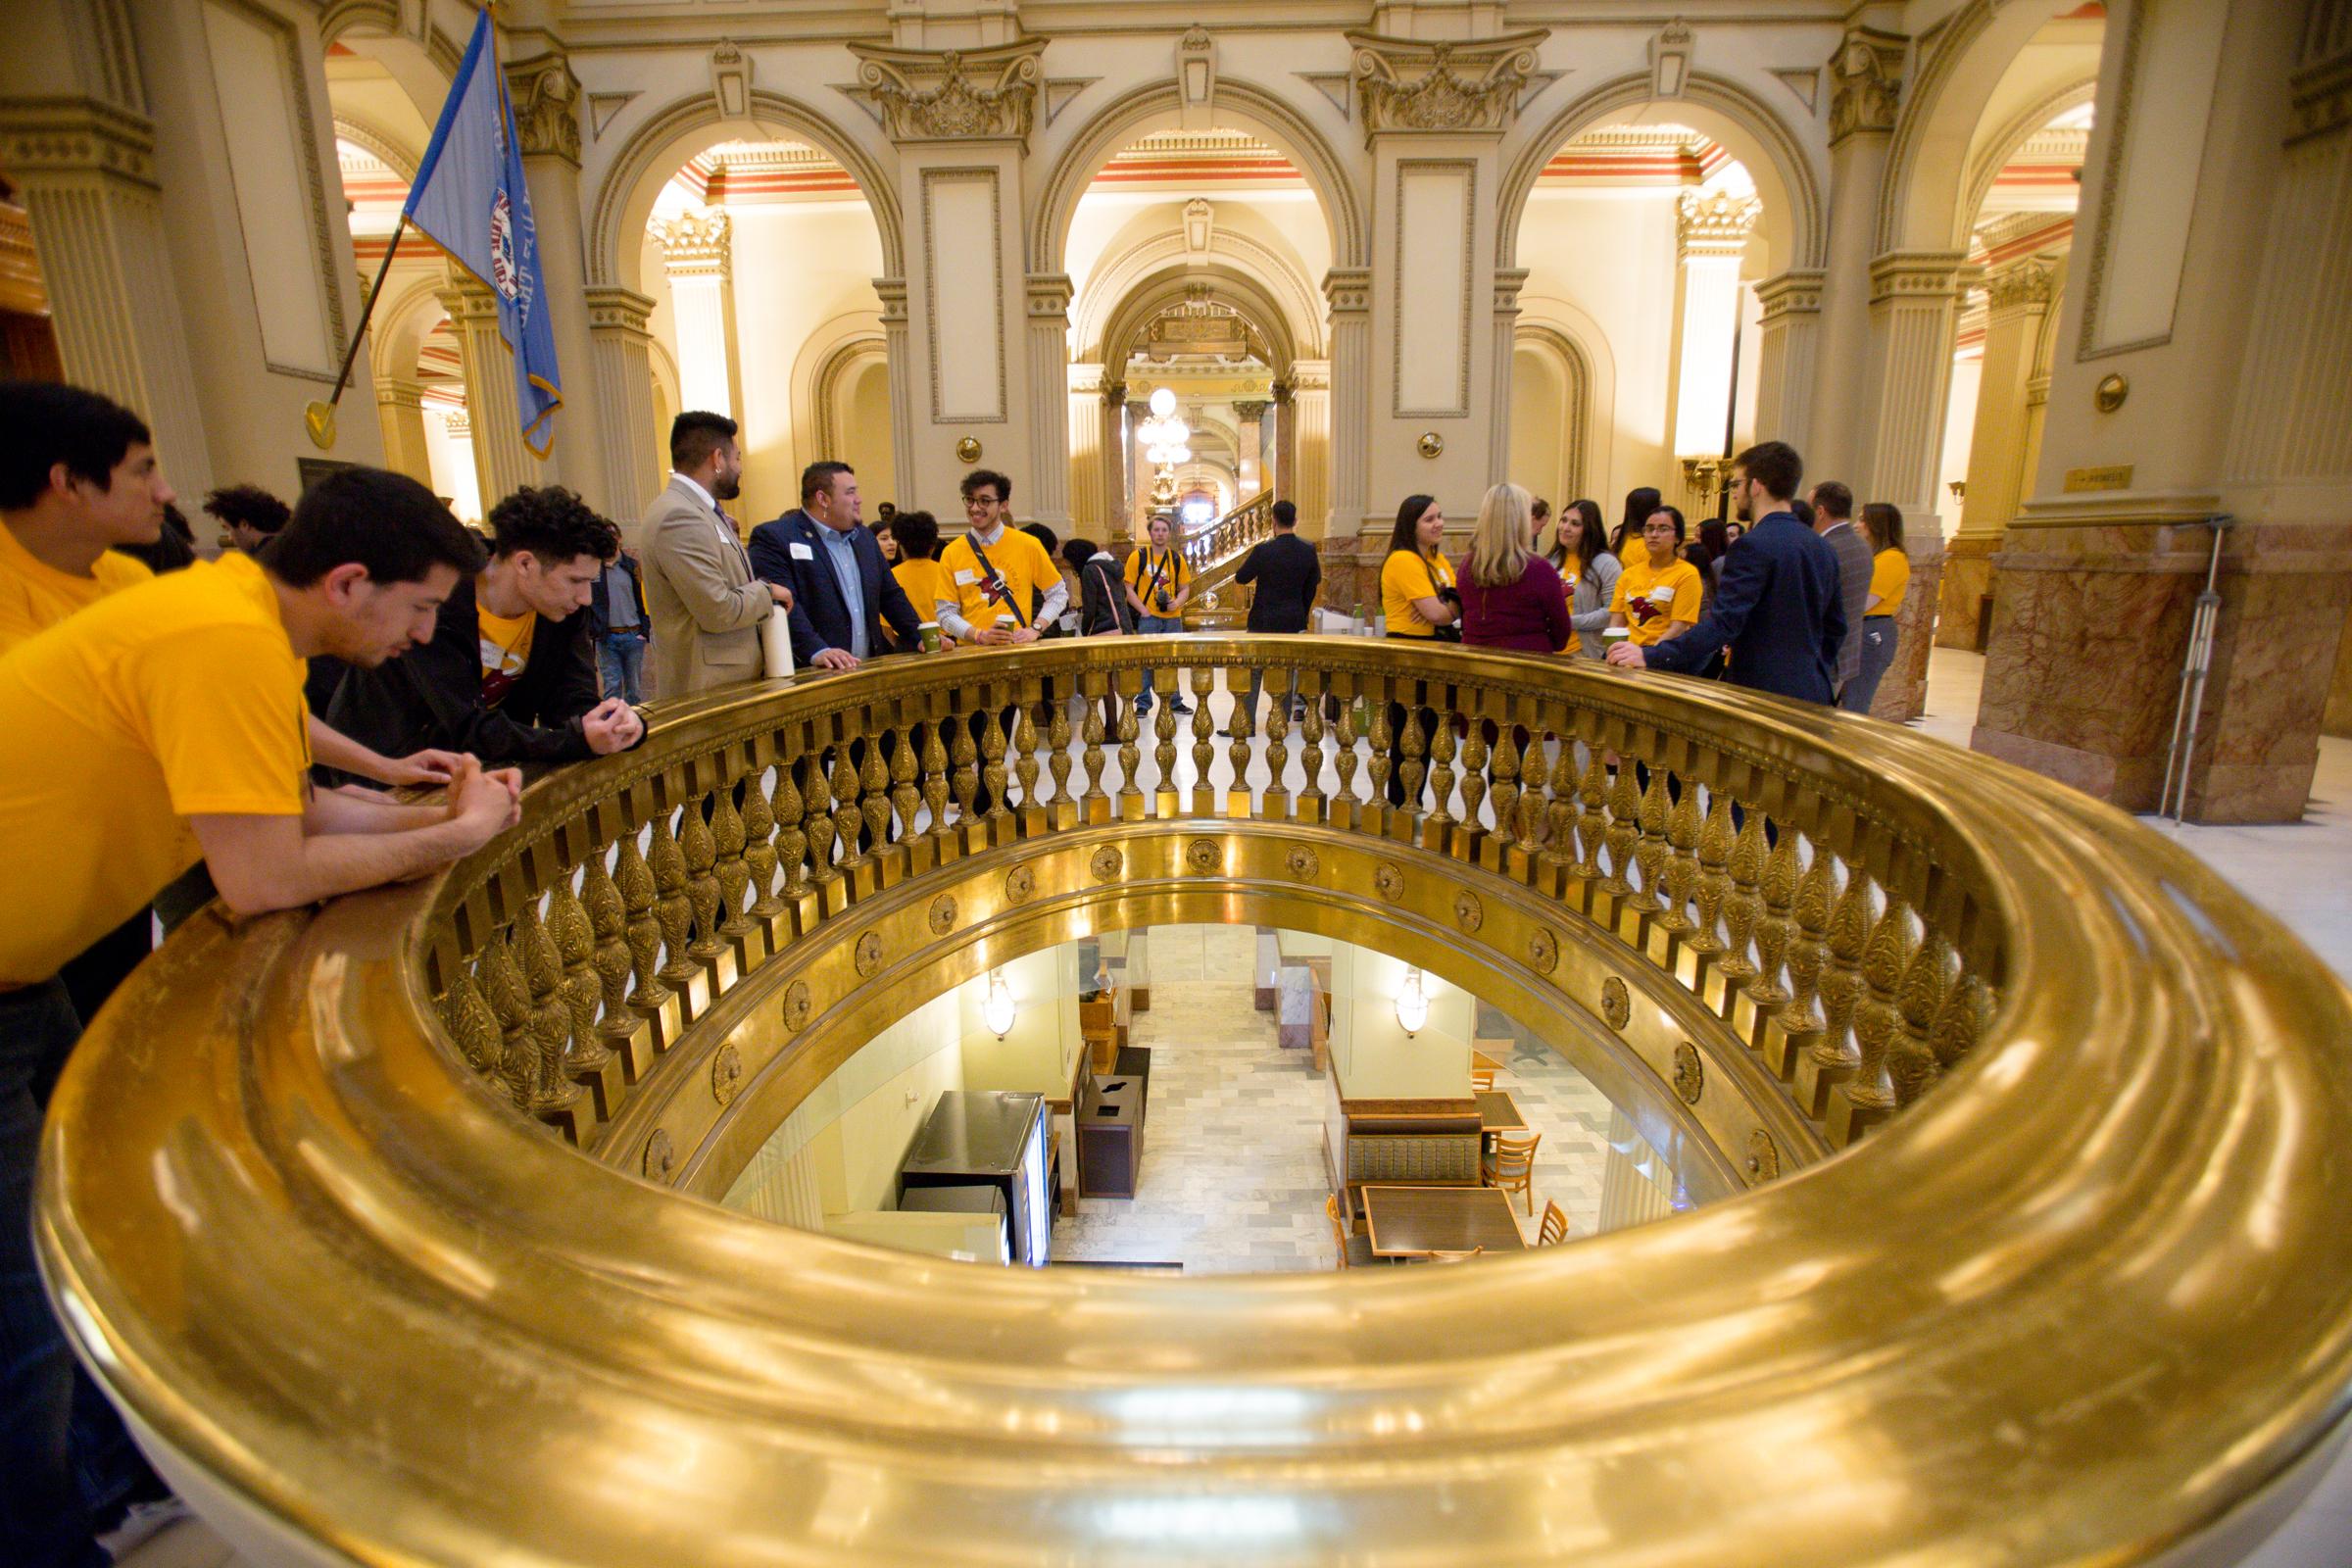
[[1511, 597]]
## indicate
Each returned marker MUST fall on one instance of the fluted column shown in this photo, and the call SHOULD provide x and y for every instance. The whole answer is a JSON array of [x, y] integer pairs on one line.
[[502, 463], [1863, 97], [699, 252], [1048, 337], [1508, 281], [1250, 423], [1914, 298], [1082, 410], [1787, 345], [2018, 299], [1139, 472], [620, 350], [400, 410], [1285, 455], [1116, 483], [546, 96], [893, 294], [1324, 474], [1711, 235], [86, 170], [1338, 481]]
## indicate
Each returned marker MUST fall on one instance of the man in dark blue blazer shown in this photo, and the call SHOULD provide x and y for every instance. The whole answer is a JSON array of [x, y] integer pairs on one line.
[[1776, 604], [846, 605]]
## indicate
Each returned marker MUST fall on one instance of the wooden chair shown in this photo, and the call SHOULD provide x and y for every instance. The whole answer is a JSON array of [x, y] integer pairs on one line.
[[1456, 1258], [1482, 1079], [1512, 1167], [1355, 1252], [1555, 1226]]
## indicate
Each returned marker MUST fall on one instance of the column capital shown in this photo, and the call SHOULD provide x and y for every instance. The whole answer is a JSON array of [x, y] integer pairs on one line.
[[1865, 82], [1049, 296], [985, 94], [1282, 392], [394, 393], [1468, 87], [1251, 410], [547, 107], [1928, 276], [697, 244], [1348, 290], [614, 308], [466, 300], [1714, 226], [49, 138], [893, 293], [2028, 282], [1310, 375], [1114, 393], [1508, 281], [1795, 292]]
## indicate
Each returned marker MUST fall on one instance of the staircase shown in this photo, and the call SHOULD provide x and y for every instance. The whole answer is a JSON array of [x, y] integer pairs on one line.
[[1215, 550]]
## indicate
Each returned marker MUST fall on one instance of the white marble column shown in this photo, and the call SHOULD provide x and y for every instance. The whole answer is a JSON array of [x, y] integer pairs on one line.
[[1111, 413], [1508, 281], [893, 293], [1864, 92], [1049, 340], [546, 96], [1338, 483], [502, 463], [86, 174], [1915, 298], [2019, 296], [1788, 339], [1710, 236], [699, 252], [400, 410], [635, 453], [1319, 431]]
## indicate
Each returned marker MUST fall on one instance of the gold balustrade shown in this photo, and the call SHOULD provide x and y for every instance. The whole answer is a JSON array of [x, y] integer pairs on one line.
[[1215, 551], [2073, 1296]]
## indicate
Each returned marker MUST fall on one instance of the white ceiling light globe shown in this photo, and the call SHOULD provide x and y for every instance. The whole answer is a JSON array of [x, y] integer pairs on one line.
[[1164, 401]]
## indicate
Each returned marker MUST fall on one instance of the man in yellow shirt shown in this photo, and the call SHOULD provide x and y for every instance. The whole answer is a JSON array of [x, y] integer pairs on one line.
[[1160, 582], [159, 724], [81, 477], [993, 569]]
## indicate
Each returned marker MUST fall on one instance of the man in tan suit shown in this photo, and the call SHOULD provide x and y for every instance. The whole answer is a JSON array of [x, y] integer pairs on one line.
[[706, 607]]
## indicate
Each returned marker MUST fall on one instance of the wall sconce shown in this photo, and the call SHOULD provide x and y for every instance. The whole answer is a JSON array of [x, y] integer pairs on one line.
[[996, 1009], [1413, 1004]]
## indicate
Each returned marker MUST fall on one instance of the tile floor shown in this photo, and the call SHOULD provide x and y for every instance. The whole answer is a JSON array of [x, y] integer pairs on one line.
[[2299, 872]]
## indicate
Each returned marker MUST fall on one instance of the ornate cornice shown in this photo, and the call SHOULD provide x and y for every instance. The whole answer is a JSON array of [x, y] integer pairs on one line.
[[1348, 290], [547, 107], [612, 308], [1918, 276], [68, 137], [1464, 88], [1049, 296], [954, 94], [1714, 226], [1793, 293], [695, 244], [1866, 86]]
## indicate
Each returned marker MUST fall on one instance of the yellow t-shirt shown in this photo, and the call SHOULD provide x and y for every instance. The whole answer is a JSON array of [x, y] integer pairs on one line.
[[35, 596], [1170, 567], [1674, 592], [925, 583], [506, 649], [1406, 576], [178, 698], [1890, 579], [1022, 568]]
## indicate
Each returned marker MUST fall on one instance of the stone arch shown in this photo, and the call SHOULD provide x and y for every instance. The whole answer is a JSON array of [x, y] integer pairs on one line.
[[1157, 106], [1286, 291], [625, 197], [1157, 291], [423, 65], [1943, 103], [381, 143], [826, 361], [1576, 401], [1795, 222], [2004, 145], [1560, 321], [399, 326]]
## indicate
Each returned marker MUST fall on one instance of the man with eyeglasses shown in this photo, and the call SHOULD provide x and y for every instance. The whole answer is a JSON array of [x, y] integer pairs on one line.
[[996, 571]]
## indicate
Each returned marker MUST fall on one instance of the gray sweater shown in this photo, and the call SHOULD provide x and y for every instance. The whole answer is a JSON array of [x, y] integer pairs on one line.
[[1853, 587]]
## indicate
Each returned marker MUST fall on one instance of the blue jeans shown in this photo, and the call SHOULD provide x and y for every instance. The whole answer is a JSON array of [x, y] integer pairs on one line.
[[620, 657], [1878, 638], [44, 1514], [1146, 627]]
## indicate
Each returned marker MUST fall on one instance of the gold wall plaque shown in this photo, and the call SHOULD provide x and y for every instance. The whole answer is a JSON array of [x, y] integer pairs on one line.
[[967, 450], [2115, 476], [2110, 393]]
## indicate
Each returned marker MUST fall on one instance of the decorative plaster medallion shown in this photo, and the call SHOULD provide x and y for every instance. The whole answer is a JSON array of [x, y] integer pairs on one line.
[[1200, 854], [1019, 883], [943, 914], [1468, 912], [726, 1074], [1690, 1075], [868, 953], [1616, 1004], [1544, 949], [659, 1157], [1389, 882], [967, 450], [1763, 1159], [1302, 863], [1106, 863], [797, 1005]]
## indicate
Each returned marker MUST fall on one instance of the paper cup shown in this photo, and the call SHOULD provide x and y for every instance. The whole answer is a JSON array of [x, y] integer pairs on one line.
[[1615, 634], [930, 636]]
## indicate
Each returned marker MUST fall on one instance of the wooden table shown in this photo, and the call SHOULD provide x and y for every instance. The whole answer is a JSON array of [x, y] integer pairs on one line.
[[1480, 1062], [1416, 1221], [1499, 1112]]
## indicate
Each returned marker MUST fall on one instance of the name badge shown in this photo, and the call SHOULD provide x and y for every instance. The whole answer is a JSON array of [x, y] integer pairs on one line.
[[801, 552], [966, 580], [1663, 596]]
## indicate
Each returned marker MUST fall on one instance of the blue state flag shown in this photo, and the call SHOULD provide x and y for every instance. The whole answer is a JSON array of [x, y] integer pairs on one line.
[[468, 198]]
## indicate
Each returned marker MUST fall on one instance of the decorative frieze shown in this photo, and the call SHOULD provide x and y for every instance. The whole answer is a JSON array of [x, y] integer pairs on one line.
[[954, 94], [1865, 82], [1458, 88], [547, 107], [75, 136], [1924, 276], [1717, 224]]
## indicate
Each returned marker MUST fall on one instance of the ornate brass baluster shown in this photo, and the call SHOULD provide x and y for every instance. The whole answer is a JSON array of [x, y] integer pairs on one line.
[[1622, 833], [1474, 778], [817, 824], [550, 1027], [1204, 751], [1505, 795], [967, 771], [904, 798], [792, 832], [1057, 758], [1802, 1020], [732, 838], [1164, 753], [473, 1026], [1650, 849], [510, 999], [1743, 907], [1834, 1056], [1869, 1096], [1962, 1021], [672, 908], [1414, 768], [935, 782], [1682, 876], [608, 921], [849, 818], [1571, 836], [1778, 927], [643, 930], [1345, 761], [1277, 799], [1384, 752], [874, 777], [992, 768], [1310, 754], [760, 849], [700, 850], [586, 1057], [1131, 758], [1925, 983], [1239, 729], [1592, 816], [1532, 807], [1095, 805], [1025, 767]]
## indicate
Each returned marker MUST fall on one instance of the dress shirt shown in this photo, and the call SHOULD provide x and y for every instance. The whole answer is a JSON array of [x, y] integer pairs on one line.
[[841, 550]]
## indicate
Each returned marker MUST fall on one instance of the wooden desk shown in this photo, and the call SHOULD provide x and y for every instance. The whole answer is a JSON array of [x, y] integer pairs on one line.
[[1416, 1221], [1499, 1112]]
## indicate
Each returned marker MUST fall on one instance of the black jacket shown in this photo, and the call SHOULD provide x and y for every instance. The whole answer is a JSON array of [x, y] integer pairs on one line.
[[820, 617], [1286, 572], [600, 617], [1776, 609], [432, 696]]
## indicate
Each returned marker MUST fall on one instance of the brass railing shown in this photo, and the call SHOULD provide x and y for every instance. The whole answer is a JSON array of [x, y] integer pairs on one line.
[[1215, 551], [2082, 1303]]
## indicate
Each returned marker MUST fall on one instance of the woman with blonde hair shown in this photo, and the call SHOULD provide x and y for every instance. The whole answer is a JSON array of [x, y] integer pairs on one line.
[[1511, 595]]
